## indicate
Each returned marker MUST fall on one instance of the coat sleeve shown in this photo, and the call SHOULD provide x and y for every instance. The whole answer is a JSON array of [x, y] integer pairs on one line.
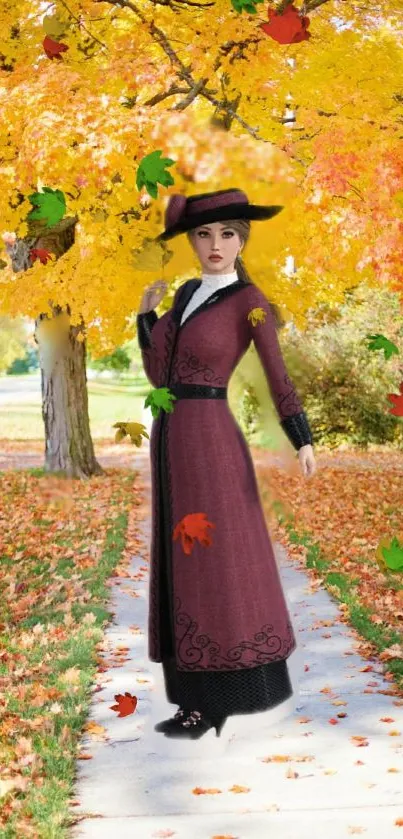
[[152, 363], [145, 323], [292, 416]]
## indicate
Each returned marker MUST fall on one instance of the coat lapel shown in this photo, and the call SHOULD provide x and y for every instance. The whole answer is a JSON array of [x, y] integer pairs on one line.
[[189, 289]]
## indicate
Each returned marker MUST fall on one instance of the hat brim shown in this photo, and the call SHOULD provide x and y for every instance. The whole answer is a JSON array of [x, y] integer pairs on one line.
[[235, 211]]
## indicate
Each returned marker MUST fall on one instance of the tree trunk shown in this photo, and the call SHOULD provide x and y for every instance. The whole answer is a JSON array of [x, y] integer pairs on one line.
[[62, 352]]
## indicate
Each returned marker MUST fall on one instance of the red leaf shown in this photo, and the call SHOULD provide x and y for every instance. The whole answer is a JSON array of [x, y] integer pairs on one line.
[[397, 401], [125, 704], [286, 28], [53, 48], [191, 527], [40, 253]]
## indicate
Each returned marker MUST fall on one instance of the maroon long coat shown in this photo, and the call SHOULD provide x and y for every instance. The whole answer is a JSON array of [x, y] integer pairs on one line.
[[226, 604]]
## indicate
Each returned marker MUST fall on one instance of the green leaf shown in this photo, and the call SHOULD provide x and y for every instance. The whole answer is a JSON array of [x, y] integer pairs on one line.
[[160, 398], [245, 6], [393, 556], [379, 342], [49, 204], [152, 171]]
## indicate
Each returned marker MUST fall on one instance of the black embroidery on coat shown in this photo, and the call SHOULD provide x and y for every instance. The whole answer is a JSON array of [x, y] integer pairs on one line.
[[189, 366], [266, 645], [288, 403]]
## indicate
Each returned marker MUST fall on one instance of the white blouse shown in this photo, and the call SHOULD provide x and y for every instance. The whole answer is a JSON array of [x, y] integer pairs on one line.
[[210, 283]]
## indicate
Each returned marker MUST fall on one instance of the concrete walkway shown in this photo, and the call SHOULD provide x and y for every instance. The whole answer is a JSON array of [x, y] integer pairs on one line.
[[284, 774]]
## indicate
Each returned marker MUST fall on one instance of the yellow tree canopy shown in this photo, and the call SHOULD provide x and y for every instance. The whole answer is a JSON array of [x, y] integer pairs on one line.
[[132, 79]]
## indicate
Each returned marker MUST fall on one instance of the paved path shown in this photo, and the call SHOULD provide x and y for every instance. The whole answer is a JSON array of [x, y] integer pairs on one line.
[[285, 774]]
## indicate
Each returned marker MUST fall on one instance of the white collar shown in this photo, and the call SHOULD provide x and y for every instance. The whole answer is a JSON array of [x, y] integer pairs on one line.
[[215, 281]]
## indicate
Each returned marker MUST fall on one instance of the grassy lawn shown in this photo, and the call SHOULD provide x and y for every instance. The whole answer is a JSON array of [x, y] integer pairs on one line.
[[60, 543], [336, 524], [108, 402]]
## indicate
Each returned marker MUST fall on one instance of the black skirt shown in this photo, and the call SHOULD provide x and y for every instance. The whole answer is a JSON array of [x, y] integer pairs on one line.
[[222, 693]]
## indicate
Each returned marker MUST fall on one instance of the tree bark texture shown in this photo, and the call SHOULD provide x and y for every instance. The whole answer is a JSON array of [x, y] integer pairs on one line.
[[68, 443]]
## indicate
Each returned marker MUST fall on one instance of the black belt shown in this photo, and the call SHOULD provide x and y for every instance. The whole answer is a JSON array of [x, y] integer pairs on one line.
[[182, 391]]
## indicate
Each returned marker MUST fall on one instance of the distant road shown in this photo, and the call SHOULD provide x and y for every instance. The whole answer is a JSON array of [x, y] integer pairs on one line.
[[23, 388], [20, 388]]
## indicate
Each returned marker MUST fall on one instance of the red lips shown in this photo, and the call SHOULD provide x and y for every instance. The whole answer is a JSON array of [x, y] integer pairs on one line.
[[215, 257]]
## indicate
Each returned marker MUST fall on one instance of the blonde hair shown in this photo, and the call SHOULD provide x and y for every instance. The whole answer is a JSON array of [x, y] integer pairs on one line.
[[242, 227]]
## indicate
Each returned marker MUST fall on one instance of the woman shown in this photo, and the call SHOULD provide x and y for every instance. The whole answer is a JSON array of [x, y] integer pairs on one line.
[[218, 619]]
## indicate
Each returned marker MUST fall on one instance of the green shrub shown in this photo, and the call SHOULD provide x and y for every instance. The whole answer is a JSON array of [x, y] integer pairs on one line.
[[342, 384]]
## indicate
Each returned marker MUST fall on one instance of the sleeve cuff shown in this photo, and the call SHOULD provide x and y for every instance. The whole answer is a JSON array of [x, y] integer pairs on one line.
[[297, 430], [145, 323]]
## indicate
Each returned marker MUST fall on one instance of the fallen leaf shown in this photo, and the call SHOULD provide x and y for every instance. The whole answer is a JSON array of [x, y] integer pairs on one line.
[[201, 791], [237, 788], [359, 741], [94, 729], [126, 704]]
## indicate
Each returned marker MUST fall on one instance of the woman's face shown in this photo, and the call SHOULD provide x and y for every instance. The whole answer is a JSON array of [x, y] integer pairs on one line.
[[216, 238]]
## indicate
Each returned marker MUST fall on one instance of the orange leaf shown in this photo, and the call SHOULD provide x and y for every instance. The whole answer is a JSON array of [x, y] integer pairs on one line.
[[237, 788], [94, 729], [201, 791], [359, 741], [333, 721], [125, 704], [191, 527]]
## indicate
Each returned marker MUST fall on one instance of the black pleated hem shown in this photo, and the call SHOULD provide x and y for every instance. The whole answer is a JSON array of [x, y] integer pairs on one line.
[[228, 692]]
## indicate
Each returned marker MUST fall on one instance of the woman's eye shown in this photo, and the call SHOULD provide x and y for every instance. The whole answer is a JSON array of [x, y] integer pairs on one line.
[[226, 233]]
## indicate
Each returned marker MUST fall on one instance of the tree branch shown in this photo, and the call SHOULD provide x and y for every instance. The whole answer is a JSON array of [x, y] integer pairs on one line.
[[159, 97], [196, 89], [82, 26]]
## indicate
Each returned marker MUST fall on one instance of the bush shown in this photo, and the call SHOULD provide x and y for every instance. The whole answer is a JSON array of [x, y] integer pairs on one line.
[[342, 384], [118, 361], [24, 365]]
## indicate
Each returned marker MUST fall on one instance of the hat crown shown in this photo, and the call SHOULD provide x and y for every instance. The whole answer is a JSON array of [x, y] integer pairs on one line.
[[175, 210]]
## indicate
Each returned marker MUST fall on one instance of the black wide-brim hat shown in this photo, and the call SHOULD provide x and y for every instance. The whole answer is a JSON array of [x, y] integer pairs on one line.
[[184, 214]]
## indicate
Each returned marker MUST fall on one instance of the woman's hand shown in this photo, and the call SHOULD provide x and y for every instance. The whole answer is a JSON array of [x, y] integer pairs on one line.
[[306, 458], [152, 296]]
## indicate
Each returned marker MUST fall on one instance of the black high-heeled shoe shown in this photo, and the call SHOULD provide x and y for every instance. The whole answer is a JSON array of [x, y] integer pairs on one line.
[[166, 725], [195, 725]]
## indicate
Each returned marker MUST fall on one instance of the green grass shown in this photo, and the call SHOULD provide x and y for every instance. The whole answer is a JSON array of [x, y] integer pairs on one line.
[[47, 807], [343, 589], [108, 402]]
